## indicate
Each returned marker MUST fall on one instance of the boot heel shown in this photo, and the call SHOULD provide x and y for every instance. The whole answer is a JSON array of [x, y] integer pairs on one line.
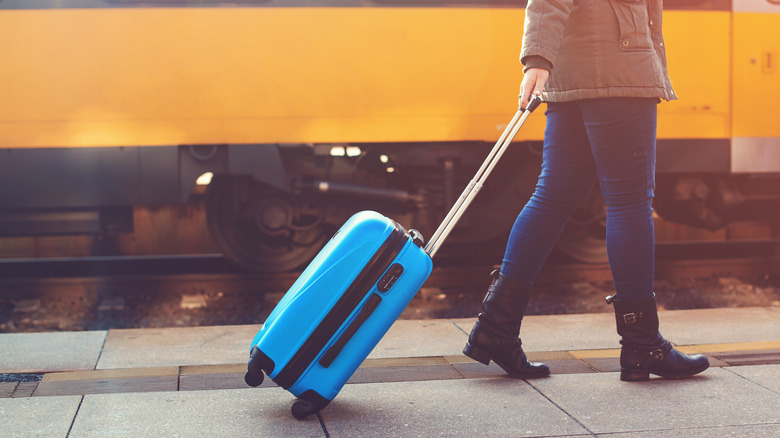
[[634, 376], [477, 354]]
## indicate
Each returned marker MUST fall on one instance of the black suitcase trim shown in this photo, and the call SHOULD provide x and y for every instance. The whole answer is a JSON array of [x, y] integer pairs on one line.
[[368, 309], [343, 308]]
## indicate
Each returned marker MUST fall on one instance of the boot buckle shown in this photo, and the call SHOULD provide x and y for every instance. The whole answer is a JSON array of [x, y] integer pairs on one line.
[[631, 318], [494, 275], [657, 354]]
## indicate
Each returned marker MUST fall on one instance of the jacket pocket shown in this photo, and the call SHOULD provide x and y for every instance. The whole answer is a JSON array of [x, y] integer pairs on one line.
[[634, 23]]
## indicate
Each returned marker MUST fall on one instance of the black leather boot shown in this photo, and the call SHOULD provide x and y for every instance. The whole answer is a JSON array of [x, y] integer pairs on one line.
[[495, 335], [644, 350]]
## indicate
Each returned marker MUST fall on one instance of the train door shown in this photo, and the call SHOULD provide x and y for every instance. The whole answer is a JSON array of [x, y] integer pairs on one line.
[[756, 87]]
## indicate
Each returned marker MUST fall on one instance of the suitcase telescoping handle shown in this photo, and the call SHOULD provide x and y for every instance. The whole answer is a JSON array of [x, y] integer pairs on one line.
[[475, 185]]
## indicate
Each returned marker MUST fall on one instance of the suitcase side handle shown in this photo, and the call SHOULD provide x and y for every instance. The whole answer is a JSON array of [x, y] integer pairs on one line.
[[479, 179], [362, 316]]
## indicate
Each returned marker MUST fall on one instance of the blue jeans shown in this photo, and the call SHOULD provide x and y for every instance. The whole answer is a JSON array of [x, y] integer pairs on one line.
[[609, 140]]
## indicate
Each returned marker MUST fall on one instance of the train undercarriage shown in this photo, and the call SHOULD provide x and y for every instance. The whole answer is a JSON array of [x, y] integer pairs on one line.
[[270, 208], [416, 184], [269, 228]]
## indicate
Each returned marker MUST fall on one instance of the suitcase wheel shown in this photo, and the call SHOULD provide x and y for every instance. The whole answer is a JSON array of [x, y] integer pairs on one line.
[[302, 409], [253, 379], [258, 362], [308, 403]]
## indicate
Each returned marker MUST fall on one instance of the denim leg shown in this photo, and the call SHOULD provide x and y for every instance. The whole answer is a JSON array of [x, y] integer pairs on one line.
[[622, 134], [567, 176]]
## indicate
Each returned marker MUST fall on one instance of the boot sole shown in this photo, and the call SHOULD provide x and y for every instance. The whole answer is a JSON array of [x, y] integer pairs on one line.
[[484, 358], [642, 375]]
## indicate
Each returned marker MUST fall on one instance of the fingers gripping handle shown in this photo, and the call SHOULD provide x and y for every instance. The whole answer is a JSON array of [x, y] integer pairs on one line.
[[533, 104], [475, 185]]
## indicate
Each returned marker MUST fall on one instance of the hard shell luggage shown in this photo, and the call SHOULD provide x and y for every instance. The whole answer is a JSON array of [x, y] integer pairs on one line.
[[350, 294]]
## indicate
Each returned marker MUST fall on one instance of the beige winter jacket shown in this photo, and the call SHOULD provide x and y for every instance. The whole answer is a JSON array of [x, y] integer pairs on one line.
[[597, 48]]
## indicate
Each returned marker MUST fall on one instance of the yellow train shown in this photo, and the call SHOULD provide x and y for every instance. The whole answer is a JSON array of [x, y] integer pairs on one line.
[[305, 111]]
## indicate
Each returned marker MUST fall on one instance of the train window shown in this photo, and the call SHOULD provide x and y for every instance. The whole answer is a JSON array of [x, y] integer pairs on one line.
[[723, 5]]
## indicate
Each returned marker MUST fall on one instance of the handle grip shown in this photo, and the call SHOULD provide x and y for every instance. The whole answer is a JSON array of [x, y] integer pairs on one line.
[[532, 104]]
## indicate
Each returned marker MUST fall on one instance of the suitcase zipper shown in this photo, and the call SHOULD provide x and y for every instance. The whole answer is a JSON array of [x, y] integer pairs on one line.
[[343, 308]]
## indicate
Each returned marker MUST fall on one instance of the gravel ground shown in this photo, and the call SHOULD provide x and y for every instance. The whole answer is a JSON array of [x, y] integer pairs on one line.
[[99, 309]]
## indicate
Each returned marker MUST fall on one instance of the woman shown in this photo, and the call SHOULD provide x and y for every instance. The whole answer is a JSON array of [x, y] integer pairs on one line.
[[601, 67]]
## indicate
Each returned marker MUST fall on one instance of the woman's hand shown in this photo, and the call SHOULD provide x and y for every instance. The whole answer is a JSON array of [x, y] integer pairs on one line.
[[533, 83]]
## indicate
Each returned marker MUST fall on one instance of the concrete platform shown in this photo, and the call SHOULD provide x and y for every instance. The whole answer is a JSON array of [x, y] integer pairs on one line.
[[41, 352], [187, 382], [224, 413], [38, 416], [135, 348], [716, 398]]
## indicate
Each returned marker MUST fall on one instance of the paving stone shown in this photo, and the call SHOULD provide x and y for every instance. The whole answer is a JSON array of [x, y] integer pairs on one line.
[[418, 338], [109, 381], [767, 376], [201, 377], [24, 389], [560, 362], [197, 382], [603, 364], [408, 361], [7, 388], [714, 326], [714, 361], [749, 357], [223, 413], [48, 417], [476, 370], [760, 430], [56, 351], [405, 374], [569, 367], [602, 403], [132, 348], [476, 407]]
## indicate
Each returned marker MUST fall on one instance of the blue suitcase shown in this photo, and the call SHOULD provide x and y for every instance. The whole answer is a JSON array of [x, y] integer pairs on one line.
[[338, 310], [348, 297]]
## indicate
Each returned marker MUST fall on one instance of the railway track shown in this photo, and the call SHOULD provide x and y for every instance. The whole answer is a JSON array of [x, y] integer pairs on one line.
[[125, 292], [670, 258]]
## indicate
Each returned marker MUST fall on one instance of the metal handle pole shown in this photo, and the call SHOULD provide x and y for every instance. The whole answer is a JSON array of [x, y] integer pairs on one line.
[[432, 243], [479, 179]]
